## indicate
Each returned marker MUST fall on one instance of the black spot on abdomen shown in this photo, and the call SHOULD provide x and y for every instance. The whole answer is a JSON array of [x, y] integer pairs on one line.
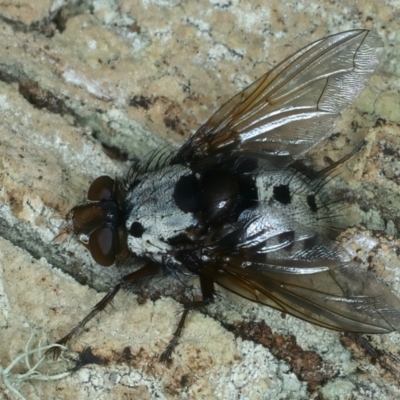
[[136, 229], [311, 201], [282, 194]]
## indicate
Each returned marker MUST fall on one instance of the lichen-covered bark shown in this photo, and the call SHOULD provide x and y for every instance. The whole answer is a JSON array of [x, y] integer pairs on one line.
[[85, 89]]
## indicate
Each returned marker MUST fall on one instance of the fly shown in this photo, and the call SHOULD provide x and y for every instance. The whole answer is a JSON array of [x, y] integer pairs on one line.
[[231, 208]]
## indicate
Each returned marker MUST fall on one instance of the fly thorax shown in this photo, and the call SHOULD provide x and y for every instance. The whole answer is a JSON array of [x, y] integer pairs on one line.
[[156, 217]]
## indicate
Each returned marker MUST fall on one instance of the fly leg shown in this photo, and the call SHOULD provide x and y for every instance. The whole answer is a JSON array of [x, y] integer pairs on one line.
[[148, 270], [208, 291]]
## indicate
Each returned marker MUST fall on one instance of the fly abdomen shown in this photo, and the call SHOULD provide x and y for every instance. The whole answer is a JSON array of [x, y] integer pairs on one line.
[[291, 199]]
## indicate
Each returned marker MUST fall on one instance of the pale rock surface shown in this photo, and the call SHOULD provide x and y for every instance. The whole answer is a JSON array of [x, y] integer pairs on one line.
[[137, 75]]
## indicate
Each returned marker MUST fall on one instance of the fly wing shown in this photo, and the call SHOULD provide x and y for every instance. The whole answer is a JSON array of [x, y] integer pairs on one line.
[[333, 295], [310, 277], [291, 108]]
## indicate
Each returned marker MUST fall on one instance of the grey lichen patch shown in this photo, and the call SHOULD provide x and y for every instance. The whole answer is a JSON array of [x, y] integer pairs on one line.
[[26, 13], [386, 108], [379, 194]]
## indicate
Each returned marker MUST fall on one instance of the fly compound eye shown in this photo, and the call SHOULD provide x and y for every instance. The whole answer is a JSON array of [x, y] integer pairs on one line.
[[136, 229], [102, 188], [102, 246]]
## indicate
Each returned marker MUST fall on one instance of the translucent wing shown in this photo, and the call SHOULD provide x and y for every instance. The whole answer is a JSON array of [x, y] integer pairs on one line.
[[305, 275], [333, 295], [294, 106]]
